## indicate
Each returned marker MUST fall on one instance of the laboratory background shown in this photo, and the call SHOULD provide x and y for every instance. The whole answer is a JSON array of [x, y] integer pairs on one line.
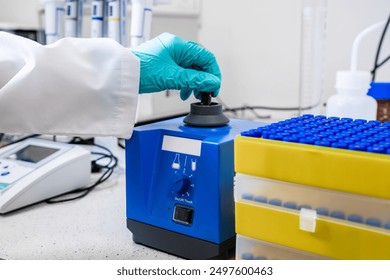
[[280, 60]]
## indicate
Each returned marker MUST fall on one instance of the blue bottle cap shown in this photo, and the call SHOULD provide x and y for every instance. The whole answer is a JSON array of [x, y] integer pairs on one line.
[[337, 214], [380, 91], [275, 201], [355, 218], [322, 211], [261, 198], [373, 222], [387, 225]]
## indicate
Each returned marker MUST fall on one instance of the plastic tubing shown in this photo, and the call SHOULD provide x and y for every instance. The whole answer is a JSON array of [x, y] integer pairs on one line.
[[357, 40]]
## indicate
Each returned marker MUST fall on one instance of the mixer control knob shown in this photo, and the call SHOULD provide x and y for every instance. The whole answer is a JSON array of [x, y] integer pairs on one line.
[[180, 184]]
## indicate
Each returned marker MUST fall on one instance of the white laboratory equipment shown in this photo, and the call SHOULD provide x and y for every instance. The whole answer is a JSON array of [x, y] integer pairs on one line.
[[35, 170], [351, 99], [73, 18], [312, 56], [116, 20], [141, 19], [54, 20], [97, 18]]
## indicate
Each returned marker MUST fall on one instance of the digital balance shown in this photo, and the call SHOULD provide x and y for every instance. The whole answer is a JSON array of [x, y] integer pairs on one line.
[[35, 170], [179, 183]]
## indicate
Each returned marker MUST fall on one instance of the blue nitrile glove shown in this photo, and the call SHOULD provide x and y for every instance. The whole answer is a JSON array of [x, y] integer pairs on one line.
[[169, 62]]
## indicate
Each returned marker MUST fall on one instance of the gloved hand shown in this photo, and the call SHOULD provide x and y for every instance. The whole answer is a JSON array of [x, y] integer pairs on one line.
[[169, 62]]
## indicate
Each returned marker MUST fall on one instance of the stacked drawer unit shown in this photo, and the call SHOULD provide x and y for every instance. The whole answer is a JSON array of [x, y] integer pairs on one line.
[[313, 187]]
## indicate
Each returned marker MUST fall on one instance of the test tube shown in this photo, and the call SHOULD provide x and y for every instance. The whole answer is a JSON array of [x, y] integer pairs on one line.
[[141, 21], [113, 20], [116, 20], [73, 18], [54, 20], [97, 19]]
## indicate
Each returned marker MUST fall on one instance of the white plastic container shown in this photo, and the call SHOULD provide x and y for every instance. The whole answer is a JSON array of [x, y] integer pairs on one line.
[[351, 100], [253, 249], [54, 20], [345, 207]]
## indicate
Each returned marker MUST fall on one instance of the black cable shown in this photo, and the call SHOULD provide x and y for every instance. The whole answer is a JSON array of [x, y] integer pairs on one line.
[[121, 145], [383, 62], [270, 108], [109, 169], [376, 65]]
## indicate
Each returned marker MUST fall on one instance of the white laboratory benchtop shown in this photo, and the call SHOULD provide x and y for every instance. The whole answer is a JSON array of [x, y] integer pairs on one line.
[[90, 228]]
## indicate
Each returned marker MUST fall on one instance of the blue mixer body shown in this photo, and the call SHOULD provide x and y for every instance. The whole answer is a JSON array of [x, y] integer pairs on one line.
[[179, 187]]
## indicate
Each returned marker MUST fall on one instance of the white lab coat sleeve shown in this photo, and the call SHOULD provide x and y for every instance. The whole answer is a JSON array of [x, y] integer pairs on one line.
[[86, 87]]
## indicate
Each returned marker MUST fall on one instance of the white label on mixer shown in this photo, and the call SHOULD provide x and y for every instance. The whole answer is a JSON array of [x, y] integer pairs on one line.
[[181, 145]]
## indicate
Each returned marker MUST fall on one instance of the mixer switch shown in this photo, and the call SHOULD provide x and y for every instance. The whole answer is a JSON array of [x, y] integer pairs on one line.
[[183, 215]]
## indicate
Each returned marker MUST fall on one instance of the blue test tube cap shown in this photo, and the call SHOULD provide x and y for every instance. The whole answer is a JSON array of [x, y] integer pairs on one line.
[[247, 256], [375, 222], [275, 201], [247, 196], [290, 205], [323, 143], [306, 206], [355, 218], [376, 149], [337, 214], [246, 133], [340, 145], [262, 258], [261, 199], [322, 211]]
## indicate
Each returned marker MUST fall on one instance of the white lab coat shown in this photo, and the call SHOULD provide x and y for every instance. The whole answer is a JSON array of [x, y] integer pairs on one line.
[[72, 87]]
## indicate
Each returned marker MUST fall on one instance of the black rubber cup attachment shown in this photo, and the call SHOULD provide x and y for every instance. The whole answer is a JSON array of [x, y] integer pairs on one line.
[[206, 115]]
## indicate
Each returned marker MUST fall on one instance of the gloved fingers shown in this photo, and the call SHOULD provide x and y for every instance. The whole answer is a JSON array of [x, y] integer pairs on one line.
[[199, 58], [188, 80], [185, 93]]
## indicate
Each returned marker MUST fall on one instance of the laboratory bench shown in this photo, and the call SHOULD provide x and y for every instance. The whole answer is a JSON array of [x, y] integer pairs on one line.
[[90, 228]]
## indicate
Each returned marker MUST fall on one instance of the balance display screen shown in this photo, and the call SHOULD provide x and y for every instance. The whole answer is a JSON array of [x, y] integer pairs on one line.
[[32, 153]]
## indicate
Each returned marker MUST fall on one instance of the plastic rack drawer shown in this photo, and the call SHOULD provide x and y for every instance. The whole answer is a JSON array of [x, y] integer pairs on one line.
[[340, 205], [345, 226], [339, 154], [252, 249]]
